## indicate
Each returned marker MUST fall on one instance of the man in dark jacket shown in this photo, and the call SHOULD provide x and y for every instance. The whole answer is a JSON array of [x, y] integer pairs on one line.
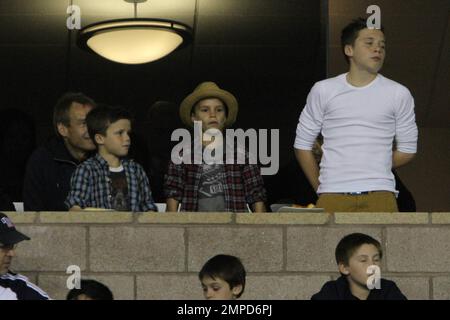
[[14, 286], [358, 255], [50, 167]]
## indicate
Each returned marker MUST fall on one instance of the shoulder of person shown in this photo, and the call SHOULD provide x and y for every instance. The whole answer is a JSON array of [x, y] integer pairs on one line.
[[329, 291], [24, 289], [399, 88], [326, 83], [41, 153]]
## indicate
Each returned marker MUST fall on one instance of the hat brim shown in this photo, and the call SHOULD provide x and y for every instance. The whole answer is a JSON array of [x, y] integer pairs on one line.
[[12, 237], [193, 98]]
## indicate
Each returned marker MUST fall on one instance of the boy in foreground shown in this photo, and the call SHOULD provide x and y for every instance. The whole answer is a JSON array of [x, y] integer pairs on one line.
[[222, 278], [355, 253]]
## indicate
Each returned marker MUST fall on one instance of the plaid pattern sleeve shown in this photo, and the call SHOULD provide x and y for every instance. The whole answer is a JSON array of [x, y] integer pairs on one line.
[[182, 184], [173, 182], [253, 184], [145, 194], [80, 188]]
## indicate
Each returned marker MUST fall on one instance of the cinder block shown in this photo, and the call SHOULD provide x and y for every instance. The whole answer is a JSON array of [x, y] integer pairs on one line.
[[283, 287], [121, 286], [441, 288], [21, 217], [259, 248], [414, 288], [312, 248], [418, 249], [86, 217], [51, 248], [186, 217], [169, 287], [381, 218], [136, 249], [283, 218], [54, 285], [440, 217]]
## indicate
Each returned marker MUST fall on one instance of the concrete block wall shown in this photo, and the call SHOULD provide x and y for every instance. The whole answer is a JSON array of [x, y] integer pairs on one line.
[[287, 255]]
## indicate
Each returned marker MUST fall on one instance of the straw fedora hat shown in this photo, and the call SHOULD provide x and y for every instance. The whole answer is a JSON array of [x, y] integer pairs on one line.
[[206, 90]]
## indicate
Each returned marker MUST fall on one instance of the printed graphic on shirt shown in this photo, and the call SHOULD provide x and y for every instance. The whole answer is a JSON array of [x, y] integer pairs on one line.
[[211, 195], [119, 189]]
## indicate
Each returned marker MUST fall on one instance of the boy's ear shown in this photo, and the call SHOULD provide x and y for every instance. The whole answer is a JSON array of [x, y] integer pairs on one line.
[[348, 49], [236, 290], [343, 269], [99, 139], [62, 129]]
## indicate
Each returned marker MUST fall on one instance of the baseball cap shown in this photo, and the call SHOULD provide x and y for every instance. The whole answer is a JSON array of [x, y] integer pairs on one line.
[[8, 233]]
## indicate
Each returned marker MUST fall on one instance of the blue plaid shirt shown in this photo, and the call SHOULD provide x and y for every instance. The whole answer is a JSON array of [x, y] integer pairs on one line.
[[90, 186]]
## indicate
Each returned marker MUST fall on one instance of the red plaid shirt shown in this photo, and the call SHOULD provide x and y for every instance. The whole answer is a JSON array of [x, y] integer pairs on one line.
[[242, 185]]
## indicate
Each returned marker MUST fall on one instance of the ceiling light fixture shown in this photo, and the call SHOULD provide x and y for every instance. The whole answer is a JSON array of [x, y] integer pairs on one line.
[[134, 41]]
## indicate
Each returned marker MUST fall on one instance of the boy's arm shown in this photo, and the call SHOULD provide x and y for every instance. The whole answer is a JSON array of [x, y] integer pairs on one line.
[[401, 158], [172, 205], [79, 189], [309, 165], [406, 133], [255, 193], [173, 186], [148, 204], [308, 128]]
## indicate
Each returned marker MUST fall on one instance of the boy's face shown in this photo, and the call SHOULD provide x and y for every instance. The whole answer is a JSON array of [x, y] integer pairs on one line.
[[76, 133], [211, 112], [218, 289], [117, 140], [356, 270], [368, 51]]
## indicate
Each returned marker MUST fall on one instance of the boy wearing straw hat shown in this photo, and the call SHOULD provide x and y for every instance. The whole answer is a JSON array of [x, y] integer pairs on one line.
[[213, 187]]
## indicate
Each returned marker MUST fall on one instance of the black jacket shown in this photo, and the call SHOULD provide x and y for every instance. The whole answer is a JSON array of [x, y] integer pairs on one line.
[[12, 284], [340, 290], [47, 177]]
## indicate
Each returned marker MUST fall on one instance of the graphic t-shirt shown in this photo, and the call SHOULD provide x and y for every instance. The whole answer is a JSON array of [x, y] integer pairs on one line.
[[211, 195], [119, 189]]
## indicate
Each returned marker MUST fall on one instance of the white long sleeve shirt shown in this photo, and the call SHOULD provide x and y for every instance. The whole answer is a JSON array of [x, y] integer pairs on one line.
[[359, 125]]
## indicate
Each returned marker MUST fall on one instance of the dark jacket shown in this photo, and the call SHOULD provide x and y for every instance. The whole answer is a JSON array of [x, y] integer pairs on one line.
[[340, 290], [15, 286], [47, 177]]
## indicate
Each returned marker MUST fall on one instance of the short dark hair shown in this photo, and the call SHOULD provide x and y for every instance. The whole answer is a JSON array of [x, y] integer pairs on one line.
[[62, 107], [226, 267], [351, 32], [99, 119], [350, 243], [91, 288]]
